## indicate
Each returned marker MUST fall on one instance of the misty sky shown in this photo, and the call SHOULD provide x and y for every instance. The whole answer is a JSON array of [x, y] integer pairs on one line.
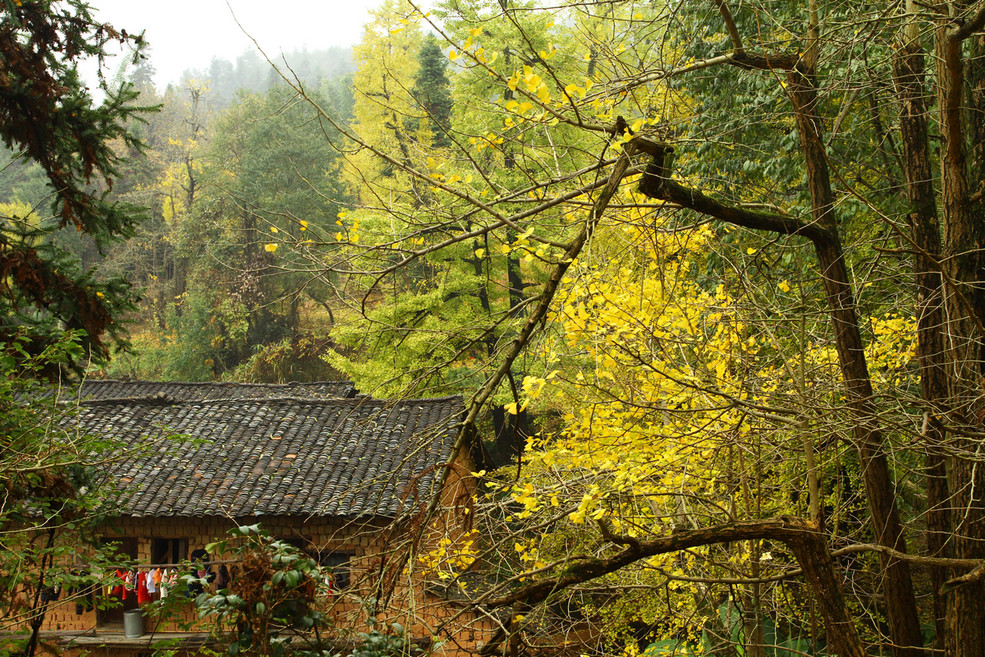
[[188, 33]]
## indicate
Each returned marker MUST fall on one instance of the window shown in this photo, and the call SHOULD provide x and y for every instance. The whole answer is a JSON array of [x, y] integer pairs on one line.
[[337, 563], [168, 550], [338, 566], [299, 543]]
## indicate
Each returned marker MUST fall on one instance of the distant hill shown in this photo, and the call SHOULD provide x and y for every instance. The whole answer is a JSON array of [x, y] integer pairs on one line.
[[251, 72]]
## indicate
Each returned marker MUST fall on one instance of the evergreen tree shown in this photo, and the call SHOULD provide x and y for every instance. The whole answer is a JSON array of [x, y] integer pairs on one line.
[[432, 91], [48, 116]]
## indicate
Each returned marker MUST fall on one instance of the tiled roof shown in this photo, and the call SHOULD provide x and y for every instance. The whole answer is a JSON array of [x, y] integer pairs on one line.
[[283, 456], [181, 390]]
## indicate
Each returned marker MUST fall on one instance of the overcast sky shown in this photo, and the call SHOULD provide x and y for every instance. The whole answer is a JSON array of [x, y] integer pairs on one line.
[[188, 33]]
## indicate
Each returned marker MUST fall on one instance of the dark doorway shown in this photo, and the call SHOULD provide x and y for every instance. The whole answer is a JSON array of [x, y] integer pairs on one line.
[[126, 548]]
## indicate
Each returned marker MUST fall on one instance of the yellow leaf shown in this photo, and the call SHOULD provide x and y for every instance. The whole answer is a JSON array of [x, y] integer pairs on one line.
[[304, 224], [270, 248], [751, 250], [784, 286], [533, 385], [273, 229], [525, 107], [476, 31], [479, 253], [452, 55]]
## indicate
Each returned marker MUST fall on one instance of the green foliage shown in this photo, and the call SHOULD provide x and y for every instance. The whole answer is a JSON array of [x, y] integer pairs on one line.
[[54, 492], [688, 366], [204, 341], [432, 91], [379, 644], [273, 188], [271, 601], [48, 116], [293, 359], [239, 196], [274, 603], [22, 180]]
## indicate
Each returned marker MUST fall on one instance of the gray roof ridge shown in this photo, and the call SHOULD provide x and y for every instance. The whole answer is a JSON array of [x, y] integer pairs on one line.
[[161, 398], [231, 384]]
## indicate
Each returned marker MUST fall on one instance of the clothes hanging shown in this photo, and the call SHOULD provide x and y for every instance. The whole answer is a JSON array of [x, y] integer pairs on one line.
[[143, 596], [129, 584], [119, 590], [151, 583], [169, 579]]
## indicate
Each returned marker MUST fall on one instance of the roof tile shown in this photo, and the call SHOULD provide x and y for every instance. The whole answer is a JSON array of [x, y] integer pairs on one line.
[[285, 455]]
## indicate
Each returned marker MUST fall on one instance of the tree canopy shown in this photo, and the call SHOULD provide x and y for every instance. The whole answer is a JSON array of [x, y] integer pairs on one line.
[[712, 247], [710, 271], [49, 117]]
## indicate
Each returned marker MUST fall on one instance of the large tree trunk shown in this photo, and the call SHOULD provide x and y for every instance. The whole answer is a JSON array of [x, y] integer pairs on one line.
[[904, 624], [908, 70], [964, 309], [901, 608]]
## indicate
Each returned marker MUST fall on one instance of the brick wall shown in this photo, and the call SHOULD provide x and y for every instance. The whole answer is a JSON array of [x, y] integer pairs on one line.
[[376, 552]]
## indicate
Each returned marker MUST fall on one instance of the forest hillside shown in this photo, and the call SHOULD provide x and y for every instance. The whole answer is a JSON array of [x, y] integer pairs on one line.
[[708, 274]]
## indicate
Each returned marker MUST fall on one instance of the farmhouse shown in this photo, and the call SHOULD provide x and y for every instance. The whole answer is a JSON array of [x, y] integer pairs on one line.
[[343, 477]]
